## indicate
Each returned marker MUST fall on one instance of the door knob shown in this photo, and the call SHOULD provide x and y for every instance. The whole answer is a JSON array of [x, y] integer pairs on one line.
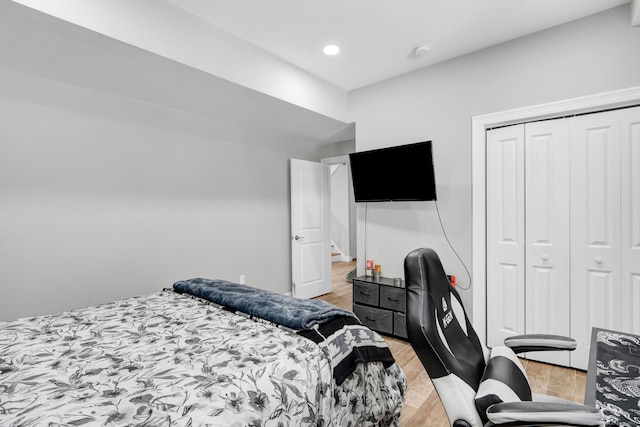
[[598, 260], [298, 237], [544, 257]]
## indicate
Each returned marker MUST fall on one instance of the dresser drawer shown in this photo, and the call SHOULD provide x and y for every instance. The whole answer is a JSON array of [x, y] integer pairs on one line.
[[392, 298], [374, 318], [365, 293], [400, 325]]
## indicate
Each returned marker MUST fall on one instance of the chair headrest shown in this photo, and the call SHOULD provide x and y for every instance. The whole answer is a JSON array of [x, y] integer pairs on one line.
[[436, 316]]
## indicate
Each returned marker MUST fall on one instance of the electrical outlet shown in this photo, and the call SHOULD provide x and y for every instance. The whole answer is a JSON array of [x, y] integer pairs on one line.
[[242, 279]]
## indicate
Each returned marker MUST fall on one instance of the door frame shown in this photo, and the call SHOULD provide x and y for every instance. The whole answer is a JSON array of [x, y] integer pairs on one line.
[[479, 125]]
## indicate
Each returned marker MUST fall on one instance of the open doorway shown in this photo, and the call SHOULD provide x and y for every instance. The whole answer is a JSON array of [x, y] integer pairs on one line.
[[343, 215]]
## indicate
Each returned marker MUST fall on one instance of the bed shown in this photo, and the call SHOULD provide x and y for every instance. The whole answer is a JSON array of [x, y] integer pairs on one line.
[[181, 358]]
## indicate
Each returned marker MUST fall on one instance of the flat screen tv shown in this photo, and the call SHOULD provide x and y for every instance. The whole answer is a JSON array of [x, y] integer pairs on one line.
[[394, 174]]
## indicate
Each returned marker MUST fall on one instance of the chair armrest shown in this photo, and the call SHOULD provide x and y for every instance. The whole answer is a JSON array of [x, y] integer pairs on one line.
[[535, 414], [539, 342]]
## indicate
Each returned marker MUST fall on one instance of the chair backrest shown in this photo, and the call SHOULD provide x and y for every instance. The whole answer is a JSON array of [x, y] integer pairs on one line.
[[442, 336]]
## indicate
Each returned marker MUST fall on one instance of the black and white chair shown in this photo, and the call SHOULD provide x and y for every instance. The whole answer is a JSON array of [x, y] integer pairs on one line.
[[477, 387]]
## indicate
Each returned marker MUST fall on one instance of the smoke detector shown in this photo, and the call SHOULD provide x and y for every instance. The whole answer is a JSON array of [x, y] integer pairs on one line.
[[422, 49]]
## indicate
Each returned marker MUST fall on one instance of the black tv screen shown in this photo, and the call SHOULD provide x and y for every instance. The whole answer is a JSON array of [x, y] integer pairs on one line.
[[401, 173]]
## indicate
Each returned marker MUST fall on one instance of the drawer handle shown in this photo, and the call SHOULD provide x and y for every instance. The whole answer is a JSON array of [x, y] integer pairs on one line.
[[366, 294], [394, 300], [369, 319]]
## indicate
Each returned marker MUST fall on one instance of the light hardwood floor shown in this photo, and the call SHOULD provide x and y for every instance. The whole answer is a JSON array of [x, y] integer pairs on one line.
[[422, 405]]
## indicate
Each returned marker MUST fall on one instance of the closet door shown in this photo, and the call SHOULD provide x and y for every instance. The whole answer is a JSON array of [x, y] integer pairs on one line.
[[505, 234], [547, 187], [595, 228], [630, 193]]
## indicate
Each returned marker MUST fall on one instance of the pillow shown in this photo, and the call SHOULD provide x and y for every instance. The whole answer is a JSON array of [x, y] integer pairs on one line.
[[504, 380]]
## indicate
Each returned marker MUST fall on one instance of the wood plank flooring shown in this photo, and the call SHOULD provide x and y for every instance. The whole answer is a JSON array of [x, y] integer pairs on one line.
[[422, 406]]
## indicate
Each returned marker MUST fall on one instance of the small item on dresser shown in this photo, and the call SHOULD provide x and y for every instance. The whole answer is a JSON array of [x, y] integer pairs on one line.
[[377, 272], [397, 281], [369, 269]]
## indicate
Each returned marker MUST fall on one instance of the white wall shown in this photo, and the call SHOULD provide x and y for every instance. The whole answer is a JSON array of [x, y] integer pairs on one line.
[[169, 31], [104, 197], [591, 55], [338, 149]]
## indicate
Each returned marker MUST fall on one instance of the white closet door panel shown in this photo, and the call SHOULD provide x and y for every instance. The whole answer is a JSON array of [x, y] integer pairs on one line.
[[630, 220], [505, 234], [547, 187], [595, 228]]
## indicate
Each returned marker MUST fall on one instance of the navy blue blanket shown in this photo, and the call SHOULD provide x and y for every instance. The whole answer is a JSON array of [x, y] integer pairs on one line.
[[337, 332], [294, 313]]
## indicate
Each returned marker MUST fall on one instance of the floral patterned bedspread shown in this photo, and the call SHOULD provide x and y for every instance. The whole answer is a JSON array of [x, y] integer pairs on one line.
[[168, 359]]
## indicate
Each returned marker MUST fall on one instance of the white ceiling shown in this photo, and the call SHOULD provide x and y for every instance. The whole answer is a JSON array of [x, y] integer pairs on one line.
[[377, 37]]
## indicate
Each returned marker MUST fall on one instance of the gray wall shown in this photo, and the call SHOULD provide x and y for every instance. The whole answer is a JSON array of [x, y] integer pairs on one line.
[[596, 54], [338, 149], [103, 198]]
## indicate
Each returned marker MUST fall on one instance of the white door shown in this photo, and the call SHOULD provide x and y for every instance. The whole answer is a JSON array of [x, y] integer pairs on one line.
[[588, 196], [595, 228], [547, 233], [310, 229], [630, 174], [505, 234]]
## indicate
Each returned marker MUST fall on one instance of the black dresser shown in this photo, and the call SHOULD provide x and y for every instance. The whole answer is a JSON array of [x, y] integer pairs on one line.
[[380, 305]]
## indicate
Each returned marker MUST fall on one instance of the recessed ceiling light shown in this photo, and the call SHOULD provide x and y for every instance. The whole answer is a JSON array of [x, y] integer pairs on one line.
[[331, 50]]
